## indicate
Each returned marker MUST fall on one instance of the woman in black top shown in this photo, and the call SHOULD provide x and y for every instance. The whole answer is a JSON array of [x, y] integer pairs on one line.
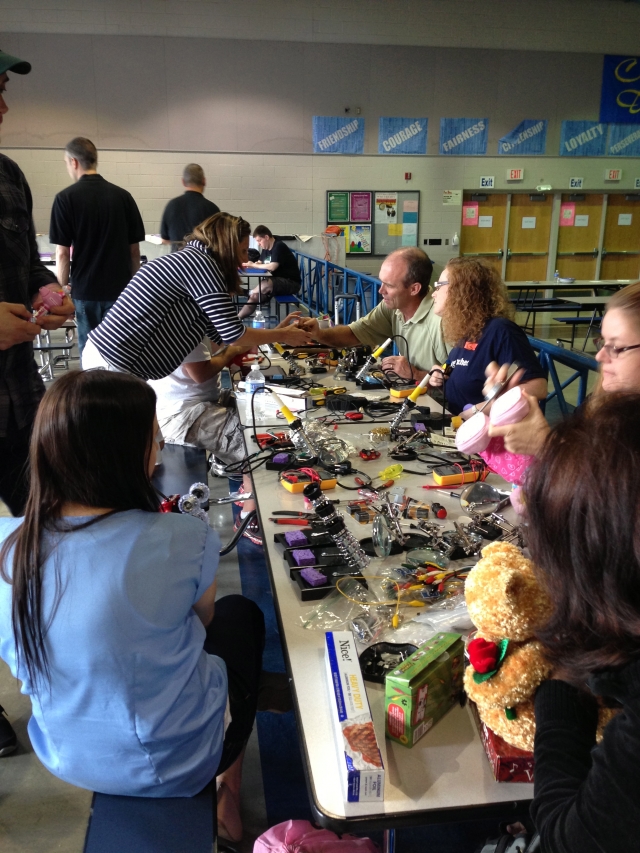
[[583, 500]]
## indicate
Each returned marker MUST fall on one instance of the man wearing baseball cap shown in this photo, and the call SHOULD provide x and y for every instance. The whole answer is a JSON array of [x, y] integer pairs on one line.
[[21, 276]]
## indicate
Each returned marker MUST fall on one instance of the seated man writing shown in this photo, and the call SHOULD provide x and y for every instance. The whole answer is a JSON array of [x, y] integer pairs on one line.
[[278, 259], [193, 409], [406, 310]]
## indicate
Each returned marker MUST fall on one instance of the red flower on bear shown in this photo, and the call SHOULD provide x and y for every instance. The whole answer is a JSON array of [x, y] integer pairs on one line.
[[483, 655]]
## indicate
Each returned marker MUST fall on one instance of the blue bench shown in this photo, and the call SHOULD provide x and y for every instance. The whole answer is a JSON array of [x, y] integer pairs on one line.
[[285, 300], [153, 825]]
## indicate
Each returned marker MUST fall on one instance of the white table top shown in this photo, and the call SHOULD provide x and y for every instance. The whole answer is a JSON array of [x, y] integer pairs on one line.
[[447, 769]]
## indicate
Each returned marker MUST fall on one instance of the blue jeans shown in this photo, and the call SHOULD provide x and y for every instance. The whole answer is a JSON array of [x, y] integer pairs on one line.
[[89, 314]]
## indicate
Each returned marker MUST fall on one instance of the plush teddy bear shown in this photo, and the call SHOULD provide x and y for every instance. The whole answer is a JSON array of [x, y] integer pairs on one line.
[[507, 604]]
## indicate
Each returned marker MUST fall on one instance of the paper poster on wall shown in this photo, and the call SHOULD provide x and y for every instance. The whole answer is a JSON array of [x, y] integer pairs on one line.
[[402, 135], [452, 197], [625, 218], [409, 228], [567, 213], [410, 206], [470, 214], [582, 220], [529, 137], [358, 240], [386, 207], [528, 221], [463, 136], [337, 207], [485, 222], [395, 229], [360, 207], [619, 93], [583, 139], [409, 240], [336, 135]]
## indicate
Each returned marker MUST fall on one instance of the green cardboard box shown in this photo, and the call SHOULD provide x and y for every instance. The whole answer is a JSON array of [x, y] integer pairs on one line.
[[423, 688]]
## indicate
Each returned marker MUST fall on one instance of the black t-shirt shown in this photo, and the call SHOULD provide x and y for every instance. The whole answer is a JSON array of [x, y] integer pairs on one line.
[[182, 214], [282, 255], [501, 341], [100, 221]]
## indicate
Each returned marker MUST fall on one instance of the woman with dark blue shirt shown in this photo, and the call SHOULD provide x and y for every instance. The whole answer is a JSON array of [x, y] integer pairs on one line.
[[477, 319]]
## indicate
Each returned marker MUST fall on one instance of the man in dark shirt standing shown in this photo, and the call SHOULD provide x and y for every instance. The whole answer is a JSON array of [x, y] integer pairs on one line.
[[103, 225], [182, 214], [278, 259], [21, 276]]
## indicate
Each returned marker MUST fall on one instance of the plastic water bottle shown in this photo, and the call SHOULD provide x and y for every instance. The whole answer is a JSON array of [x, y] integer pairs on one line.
[[254, 381], [259, 320], [556, 276]]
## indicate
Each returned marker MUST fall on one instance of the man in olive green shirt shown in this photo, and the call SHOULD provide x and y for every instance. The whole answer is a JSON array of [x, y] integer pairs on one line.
[[406, 309]]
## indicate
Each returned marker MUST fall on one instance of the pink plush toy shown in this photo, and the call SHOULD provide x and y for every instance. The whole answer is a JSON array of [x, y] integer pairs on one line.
[[473, 436]]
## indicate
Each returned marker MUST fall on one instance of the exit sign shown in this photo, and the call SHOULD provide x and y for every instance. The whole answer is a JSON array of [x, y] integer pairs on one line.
[[613, 174], [487, 183], [515, 174], [576, 183]]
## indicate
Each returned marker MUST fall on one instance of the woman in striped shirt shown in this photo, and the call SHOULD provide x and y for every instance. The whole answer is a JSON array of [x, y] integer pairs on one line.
[[172, 302]]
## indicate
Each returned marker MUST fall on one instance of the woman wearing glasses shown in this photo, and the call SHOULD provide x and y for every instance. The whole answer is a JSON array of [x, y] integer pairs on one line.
[[619, 358], [477, 318]]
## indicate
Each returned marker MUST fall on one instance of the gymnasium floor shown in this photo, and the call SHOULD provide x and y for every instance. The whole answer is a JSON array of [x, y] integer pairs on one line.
[[40, 814]]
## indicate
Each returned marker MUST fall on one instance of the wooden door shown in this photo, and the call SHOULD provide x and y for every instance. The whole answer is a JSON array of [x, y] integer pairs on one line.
[[578, 243], [621, 244], [529, 230], [485, 237]]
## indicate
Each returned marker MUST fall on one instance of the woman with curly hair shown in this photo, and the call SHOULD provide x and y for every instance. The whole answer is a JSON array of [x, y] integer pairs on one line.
[[477, 319]]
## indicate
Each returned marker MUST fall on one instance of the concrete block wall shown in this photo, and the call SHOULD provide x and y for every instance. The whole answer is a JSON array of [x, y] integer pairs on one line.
[[288, 192]]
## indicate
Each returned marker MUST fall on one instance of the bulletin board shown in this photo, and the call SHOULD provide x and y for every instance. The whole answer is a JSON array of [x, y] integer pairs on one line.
[[396, 216], [375, 222]]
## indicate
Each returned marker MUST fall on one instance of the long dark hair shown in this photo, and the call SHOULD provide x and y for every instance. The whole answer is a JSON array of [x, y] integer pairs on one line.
[[90, 445], [222, 234], [583, 503]]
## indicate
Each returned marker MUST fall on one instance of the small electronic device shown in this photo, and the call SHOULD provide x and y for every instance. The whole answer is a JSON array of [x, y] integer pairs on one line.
[[450, 475]]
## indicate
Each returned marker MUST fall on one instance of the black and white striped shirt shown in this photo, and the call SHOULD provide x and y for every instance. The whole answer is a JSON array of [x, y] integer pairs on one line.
[[165, 311]]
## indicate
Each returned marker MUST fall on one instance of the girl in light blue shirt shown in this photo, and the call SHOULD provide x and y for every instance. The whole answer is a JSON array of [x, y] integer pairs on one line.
[[107, 609]]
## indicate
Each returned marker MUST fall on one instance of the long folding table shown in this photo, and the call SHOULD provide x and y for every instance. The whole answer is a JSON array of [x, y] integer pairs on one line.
[[446, 776]]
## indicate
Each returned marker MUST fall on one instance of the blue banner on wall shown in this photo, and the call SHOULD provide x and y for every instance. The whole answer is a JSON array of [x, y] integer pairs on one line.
[[624, 140], [529, 137], [465, 136], [402, 135], [583, 139], [337, 135], [620, 96]]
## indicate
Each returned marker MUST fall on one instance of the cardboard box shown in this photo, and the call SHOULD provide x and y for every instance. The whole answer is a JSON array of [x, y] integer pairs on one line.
[[509, 764], [423, 688], [362, 770]]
